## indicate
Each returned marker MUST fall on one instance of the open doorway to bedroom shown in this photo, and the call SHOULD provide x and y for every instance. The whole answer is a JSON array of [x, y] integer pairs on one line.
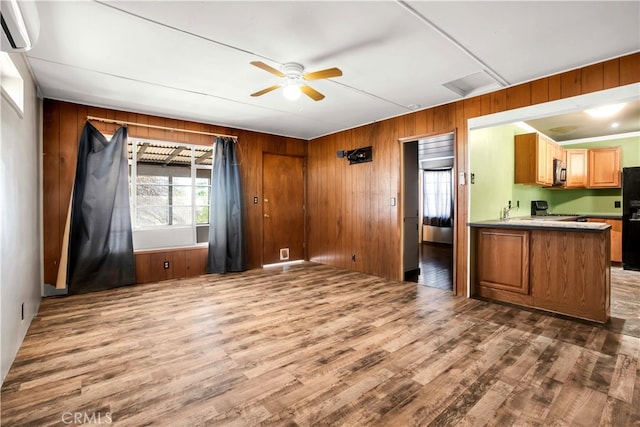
[[429, 192]]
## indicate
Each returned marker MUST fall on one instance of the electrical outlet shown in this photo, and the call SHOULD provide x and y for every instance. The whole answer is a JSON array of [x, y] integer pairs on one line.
[[353, 257], [255, 200], [166, 265], [616, 204]]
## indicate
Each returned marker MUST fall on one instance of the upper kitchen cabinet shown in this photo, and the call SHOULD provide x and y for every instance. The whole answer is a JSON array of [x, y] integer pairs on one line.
[[576, 168], [604, 168], [534, 154]]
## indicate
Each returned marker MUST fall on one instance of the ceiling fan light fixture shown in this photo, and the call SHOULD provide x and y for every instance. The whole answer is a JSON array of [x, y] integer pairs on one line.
[[291, 91]]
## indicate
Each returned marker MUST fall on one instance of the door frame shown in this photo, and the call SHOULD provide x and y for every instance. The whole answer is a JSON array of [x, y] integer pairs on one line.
[[305, 246], [402, 141]]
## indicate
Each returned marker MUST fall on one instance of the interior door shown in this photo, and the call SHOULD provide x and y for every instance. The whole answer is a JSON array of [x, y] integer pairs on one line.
[[282, 208], [411, 254]]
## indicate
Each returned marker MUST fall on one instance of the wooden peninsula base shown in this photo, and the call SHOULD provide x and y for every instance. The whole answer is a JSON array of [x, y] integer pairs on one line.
[[563, 268]]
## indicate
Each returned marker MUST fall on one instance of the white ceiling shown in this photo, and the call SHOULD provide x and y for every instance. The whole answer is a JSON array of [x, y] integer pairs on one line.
[[190, 60]]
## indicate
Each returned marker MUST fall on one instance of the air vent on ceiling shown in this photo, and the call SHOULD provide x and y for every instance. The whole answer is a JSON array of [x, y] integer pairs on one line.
[[473, 84]]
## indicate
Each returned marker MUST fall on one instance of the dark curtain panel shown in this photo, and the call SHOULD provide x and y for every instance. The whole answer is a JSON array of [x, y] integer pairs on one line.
[[227, 251], [100, 238]]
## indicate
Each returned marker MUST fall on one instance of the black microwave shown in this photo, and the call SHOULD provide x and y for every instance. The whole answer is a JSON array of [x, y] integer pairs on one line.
[[559, 172]]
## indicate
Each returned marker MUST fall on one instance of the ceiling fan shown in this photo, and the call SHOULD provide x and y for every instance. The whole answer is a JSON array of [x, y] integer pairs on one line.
[[294, 80]]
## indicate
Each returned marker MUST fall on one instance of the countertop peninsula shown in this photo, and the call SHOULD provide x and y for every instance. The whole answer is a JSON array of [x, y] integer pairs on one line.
[[557, 266], [560, 223]]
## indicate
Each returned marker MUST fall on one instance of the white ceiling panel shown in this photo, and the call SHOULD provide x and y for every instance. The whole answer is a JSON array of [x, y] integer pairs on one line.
[[524, 40], [191, 60]]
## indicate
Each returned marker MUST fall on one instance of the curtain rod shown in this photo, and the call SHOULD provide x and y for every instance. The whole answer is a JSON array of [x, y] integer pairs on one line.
[[121, 122]]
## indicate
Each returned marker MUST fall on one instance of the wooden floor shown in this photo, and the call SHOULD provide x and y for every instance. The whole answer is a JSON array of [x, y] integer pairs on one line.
[[315, 345], [436, 266]]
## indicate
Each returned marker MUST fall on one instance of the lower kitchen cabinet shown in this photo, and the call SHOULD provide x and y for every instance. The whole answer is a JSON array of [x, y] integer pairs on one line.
[[566, 272], [503, 265], [616, 236], [570, 273]]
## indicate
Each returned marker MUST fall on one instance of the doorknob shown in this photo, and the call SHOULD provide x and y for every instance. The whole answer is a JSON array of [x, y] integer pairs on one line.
[[266, 216]]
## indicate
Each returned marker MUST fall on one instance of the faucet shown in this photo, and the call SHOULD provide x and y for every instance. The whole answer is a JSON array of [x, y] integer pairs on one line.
[[505, 211]]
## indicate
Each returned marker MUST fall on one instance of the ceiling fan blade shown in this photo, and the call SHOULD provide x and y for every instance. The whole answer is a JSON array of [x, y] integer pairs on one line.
[[311, 93], [267, 68], [267, 90], [323, 74]]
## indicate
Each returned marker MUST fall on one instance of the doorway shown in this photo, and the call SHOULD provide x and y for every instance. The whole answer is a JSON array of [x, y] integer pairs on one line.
[[282, 208], [428, 214]]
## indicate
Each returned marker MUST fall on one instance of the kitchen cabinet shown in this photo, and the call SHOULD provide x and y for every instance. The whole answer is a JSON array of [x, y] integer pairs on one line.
[[604, 168], [533, 155], [616, 236], [503, 265], [559, 153], [576, 168], [569, 275], [564, 268]]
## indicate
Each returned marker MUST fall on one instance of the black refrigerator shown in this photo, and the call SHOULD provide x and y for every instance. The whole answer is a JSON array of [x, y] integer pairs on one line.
[[631, 218]]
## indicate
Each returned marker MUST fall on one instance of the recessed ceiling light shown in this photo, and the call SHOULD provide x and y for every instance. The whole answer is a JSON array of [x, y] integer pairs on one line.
[[615, 124], [413, 107], [605, 110]]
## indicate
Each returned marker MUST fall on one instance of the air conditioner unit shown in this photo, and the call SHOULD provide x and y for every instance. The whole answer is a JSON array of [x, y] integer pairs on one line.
[[20, 25]]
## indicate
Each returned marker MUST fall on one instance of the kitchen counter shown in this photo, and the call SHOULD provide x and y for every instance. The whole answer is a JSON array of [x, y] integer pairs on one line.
[[558, 223], [558, 266], [602, 216]]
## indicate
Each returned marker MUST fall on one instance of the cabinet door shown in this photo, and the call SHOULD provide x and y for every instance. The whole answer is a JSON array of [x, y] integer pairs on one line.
[[560, 153], [616, 236], [547, 151], [576, 168], [542, 162], [616, 239], [503, 263], [569, 273], [604, 168]]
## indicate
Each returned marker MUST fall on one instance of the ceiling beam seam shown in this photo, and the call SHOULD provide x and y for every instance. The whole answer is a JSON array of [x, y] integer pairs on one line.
[[194, 92], [184, 31], [364, 92], [236, 48], [454, 42]]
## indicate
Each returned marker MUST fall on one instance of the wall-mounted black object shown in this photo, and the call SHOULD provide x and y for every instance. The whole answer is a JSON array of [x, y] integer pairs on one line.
[[359, 155]]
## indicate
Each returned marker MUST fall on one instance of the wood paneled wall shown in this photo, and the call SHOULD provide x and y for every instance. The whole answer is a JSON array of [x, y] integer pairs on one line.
[[62, 127], [349, 209]]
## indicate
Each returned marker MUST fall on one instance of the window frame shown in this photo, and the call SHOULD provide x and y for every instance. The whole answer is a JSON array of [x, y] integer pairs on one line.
[[149, 237]]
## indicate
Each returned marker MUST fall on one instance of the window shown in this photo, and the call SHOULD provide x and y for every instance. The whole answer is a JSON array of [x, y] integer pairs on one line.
[[11, 83], [170, 187], [437, 197]]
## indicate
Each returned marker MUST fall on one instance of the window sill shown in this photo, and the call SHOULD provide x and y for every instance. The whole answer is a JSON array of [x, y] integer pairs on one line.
[[171, 249]]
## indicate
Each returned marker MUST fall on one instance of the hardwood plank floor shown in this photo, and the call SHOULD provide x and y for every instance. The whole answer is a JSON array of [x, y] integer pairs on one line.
[[314, 345], [436, 266]]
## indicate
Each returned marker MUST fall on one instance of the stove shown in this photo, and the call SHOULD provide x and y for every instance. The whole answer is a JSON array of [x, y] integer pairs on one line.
[[540, 210]]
